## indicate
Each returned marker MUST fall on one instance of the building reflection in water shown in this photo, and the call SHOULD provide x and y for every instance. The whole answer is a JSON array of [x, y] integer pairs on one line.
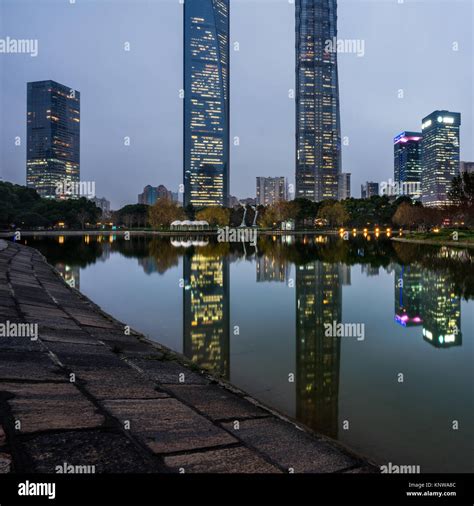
[[427, 299], [408, 295], [70, 274], [272, 269], [441, 311], [206, 312], [318, 301]]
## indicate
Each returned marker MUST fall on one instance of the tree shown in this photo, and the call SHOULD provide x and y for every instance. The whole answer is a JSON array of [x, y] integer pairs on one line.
[[215, 216], [406, 215], [462, 190], [134, 215], [334, 213], [275, 214], [164, 212]]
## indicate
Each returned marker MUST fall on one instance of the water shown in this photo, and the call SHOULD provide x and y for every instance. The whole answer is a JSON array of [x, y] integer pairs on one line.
[[394, 390]]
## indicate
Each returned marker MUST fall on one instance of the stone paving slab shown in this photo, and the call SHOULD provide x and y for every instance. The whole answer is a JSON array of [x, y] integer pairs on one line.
[[106, 451], [216, 402], [68, 336], [291, 448], [50, 406], [24, 365], [86, 356], [123, 383], [227, 460], [167, 425], [169, 372]]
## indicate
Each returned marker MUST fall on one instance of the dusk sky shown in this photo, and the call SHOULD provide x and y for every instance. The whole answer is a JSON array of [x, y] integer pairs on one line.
[[409, 46]]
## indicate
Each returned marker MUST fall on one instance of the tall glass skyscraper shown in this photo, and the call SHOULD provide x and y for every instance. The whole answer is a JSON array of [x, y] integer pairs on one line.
[[206, 102], [440, 151], [407, 163], [318, 131], [53, 137]]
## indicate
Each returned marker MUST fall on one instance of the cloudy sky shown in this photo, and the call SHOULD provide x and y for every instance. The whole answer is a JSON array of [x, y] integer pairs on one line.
[[422, 47]]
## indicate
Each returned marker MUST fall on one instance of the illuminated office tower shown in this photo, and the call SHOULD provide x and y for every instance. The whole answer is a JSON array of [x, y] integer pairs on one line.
[[408, 295], [407, 163], [440, 156], [318, 301], [441, 309], [206, 102], [206, 312], [318, 131], [53, 137]]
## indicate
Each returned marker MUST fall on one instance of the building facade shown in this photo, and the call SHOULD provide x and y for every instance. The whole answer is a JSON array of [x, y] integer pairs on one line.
[[440, 151], [271, 190], [407, 164], [152, 194], [318, 130], [103, 204], [466, 167], [206, 102], [344, 186], [369, 189], [53, 138]]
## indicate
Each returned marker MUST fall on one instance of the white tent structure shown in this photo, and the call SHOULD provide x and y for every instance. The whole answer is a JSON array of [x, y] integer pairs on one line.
[[192, 226]]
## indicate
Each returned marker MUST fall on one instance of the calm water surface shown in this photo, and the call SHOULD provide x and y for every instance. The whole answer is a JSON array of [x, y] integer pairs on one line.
[[259, 317]]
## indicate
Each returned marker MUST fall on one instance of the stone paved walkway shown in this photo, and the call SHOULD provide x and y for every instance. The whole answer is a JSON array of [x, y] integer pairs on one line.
[[86, 394]]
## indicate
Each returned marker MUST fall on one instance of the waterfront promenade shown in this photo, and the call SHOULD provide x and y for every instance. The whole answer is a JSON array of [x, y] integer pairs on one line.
[[86, 396]]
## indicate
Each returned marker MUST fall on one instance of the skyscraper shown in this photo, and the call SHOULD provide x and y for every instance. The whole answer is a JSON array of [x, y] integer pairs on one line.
[[270, 190], [407, 163], [206, 102], [53, 137], [440, 156], [318, 131], [344, 186], [369, 189]]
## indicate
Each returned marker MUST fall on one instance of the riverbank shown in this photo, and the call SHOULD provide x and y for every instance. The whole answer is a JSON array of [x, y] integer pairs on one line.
[[431, 242], [160, 233], [89, 391]]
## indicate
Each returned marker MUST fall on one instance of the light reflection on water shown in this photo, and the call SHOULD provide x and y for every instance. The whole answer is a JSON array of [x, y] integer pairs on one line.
[[259, 317]]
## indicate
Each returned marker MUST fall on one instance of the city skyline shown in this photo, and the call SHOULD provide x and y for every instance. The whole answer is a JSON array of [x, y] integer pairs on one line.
[[123, 160]]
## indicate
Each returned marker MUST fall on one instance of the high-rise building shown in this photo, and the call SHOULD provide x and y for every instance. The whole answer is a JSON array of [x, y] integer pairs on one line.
[[206, 102], [53, 138], [407, 164], [369, 189], [440, 156], [103, 204], [270, 190], [344, 186], [152, 194], [318, 130], [467, 167]]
